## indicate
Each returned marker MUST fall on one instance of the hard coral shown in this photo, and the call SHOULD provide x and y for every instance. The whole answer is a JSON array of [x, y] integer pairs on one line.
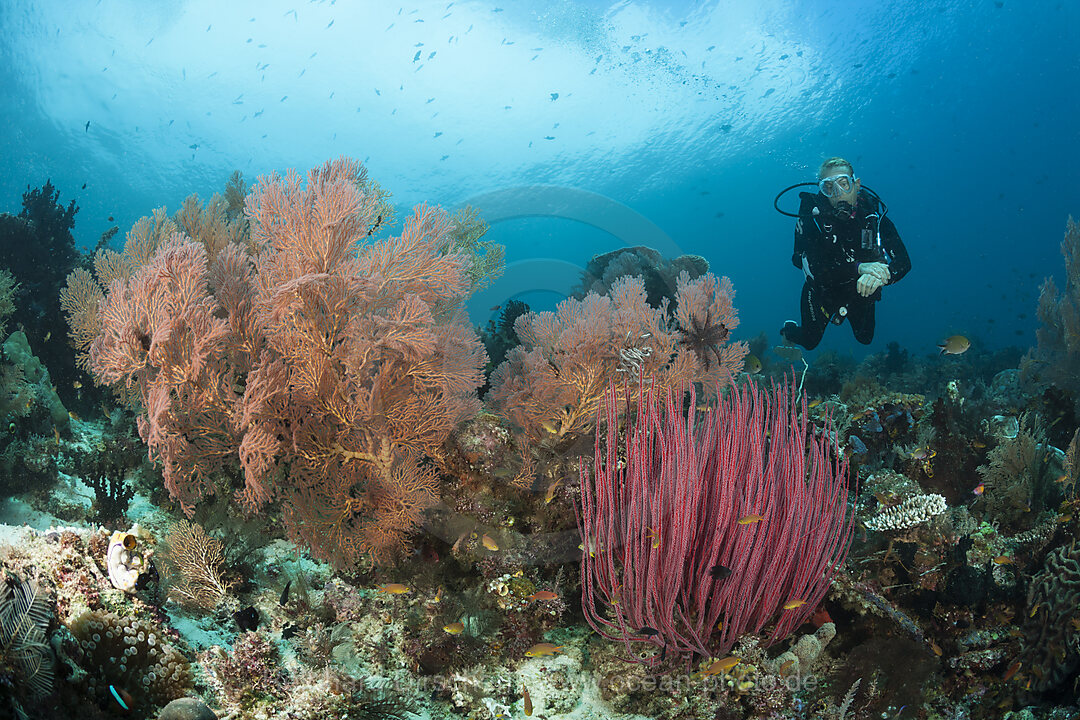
[[1050, 651]]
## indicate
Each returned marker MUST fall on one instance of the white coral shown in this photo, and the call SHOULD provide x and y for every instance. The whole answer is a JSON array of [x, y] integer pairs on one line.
[[909, 513]]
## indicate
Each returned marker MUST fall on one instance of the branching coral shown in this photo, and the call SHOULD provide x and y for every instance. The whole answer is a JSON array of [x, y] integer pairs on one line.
[[550, 386], [329, 369], [1057, 354], [192, 563]]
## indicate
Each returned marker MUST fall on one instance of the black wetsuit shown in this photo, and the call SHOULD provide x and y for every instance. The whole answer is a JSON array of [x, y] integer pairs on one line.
[[829, 247]]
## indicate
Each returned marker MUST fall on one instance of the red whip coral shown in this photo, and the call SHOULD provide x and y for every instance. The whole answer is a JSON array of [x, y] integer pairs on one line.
[[740, 518]]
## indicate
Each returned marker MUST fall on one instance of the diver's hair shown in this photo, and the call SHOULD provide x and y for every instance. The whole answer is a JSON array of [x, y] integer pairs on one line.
[[832, 163]]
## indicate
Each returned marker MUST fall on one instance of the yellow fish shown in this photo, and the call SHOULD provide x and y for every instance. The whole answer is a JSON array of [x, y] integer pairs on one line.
[[550, 494], [542, 649], [1003, 560], [527, 701], [954, 345], [454, 628], [394, 589], [752, 365], [652, 535], [721, 666], [813, 403], [489, 543], [750, 519], [792, 604]]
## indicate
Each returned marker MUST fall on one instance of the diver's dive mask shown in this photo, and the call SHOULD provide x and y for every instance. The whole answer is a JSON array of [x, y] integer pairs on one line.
[[835, 185]]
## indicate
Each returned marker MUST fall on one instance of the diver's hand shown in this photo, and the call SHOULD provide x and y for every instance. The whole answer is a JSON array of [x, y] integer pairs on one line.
[[868, 284], [877, 269]]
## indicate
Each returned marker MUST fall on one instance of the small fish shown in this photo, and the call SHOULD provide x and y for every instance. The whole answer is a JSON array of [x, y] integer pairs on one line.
[[1013, 669], [489, 543], [1003, 560], [285, 595], [247, 619], [923, 454], [750, 519], [542, 649], [719, 572], [979, 489], [786, 666], [543, 595], [954, 345], [87, 128], [554, 97], [83, 186], [813, 403], [721, 666], [648, 631], [395, 589], [936, 648], [526, 700], [123, 698], [193, 146], [549, 495], [455, 628], [751, 365], [416, 56], [654, 536], [792, 604]]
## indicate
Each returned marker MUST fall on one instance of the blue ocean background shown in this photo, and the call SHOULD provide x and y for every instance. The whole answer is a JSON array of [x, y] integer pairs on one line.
[[580, 127]]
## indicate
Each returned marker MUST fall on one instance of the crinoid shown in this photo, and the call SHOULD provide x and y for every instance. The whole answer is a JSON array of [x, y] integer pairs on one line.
[[26, 662], [704, 338]]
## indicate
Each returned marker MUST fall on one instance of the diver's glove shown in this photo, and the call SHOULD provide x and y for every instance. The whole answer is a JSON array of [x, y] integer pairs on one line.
[[868, 284], [877, 269]]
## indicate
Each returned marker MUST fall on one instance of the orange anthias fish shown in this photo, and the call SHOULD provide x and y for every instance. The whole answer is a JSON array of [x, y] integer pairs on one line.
[[721, 666], [750, 519], [542, 649], [543, 595], [792, 604], [394, 588]]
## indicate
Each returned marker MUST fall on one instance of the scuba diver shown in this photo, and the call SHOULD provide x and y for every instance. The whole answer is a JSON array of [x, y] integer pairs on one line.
[[847, 249]]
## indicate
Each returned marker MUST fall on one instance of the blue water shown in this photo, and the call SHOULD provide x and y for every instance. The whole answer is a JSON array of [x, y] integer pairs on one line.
[[579, 127]]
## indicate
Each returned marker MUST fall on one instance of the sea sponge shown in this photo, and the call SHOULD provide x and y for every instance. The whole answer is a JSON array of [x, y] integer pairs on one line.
[[805, 651]]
